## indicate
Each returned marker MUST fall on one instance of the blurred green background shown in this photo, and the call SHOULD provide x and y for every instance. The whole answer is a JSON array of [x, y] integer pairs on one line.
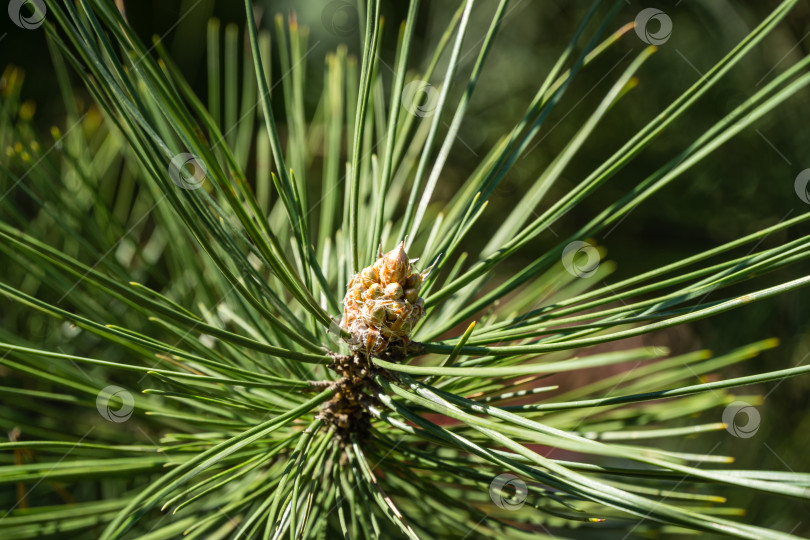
[[745, 185]]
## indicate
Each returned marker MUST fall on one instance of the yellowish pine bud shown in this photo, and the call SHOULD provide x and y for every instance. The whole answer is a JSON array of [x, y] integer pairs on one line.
[[382, 304]]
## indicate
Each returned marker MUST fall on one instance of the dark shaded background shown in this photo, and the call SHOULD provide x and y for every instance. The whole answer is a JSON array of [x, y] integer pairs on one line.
[[745, 185]]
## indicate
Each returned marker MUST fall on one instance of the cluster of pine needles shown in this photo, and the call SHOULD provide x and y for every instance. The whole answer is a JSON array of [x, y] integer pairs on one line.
[[172, 356]]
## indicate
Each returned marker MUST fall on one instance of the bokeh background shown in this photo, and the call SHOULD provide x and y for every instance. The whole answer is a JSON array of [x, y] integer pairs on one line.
[[746, 185]]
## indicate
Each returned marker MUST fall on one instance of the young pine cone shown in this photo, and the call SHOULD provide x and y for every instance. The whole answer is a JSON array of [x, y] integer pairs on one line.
[[382, 303]]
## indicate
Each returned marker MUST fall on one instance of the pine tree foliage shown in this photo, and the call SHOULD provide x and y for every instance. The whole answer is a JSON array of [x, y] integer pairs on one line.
[[180, 355]]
